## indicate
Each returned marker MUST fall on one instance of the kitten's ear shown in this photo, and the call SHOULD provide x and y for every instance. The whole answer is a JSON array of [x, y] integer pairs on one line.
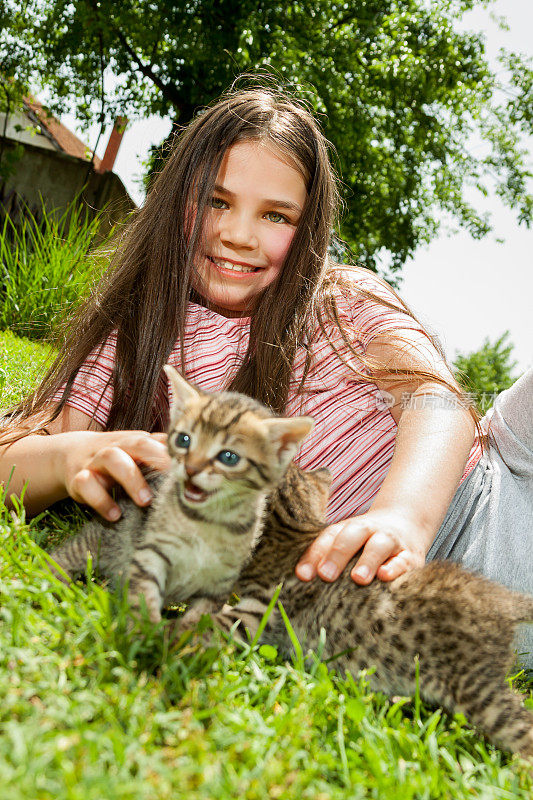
[[286, 433], [182, 391], [323, 478]]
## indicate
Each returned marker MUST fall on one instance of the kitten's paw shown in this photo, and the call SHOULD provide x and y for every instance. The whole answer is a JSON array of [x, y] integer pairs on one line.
[[192, 618], [196, 611], [138, 610]]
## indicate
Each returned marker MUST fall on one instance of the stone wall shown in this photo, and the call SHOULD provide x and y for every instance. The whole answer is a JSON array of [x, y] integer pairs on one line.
[[55, 179]]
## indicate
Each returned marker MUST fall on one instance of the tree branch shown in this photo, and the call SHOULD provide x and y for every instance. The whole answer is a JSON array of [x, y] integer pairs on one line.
[[349, 17], [169, 91]]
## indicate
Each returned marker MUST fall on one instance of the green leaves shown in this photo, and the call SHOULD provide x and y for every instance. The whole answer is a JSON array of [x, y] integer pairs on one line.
[[487, 371], [407, 98]]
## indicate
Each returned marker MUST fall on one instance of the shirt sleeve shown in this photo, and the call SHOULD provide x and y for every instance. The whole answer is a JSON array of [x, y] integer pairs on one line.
[[371, 318], [92, 390]]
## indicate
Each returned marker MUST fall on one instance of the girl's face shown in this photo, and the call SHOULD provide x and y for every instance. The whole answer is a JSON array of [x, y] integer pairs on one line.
[[253, 214]]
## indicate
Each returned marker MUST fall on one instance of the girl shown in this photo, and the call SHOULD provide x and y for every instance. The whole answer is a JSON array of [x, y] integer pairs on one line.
[[224, 273]]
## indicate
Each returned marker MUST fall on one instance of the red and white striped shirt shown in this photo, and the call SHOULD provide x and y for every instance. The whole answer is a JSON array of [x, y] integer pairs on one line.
[[354, 431]]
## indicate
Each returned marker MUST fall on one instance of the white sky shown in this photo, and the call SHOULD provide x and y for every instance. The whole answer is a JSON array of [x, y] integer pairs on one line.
[[464, 290]]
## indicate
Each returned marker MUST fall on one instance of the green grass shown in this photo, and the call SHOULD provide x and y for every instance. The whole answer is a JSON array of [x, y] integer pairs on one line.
[[89, 711], [22, 362], [46, 265]]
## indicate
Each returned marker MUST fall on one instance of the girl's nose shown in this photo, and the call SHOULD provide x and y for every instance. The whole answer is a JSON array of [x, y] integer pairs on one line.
[[238, 230]]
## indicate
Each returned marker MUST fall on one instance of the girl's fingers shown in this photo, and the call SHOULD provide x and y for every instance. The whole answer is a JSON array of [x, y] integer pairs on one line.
[[159, 437], [385, 551], [87, 487], [122, 469], [102, 459], [394, 567], [148, 449], [306, 569], [349, 539], [377, 550], [116, 463], [398, 565]]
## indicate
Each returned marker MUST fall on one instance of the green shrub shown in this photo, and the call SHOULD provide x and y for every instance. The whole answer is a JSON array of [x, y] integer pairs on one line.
[[45, 267]]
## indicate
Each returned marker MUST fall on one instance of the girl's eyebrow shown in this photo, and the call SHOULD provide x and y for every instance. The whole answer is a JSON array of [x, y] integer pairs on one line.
[[279, 203]]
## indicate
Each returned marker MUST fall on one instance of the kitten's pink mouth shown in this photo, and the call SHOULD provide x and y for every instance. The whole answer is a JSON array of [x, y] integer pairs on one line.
[[193, 493]]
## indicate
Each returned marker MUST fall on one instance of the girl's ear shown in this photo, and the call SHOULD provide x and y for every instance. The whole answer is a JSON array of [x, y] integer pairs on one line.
[[286, 433], [182, 391]]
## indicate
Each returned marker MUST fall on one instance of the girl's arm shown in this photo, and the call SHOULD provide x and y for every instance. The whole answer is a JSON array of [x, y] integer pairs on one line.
[[80, 460], [434, 438]]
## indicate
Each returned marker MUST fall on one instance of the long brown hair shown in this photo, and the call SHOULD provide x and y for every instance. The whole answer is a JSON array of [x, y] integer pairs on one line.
[[146, 290]]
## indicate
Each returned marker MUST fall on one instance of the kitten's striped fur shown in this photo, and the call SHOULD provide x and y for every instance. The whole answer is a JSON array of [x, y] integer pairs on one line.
[[459, 625], [206, 515]]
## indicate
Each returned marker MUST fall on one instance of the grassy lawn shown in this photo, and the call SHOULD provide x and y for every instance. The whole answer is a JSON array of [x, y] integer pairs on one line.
[[91, 712], [22, 362]]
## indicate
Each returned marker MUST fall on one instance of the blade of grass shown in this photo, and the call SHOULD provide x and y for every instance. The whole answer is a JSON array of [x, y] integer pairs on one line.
[[266, 616], [298, 652]]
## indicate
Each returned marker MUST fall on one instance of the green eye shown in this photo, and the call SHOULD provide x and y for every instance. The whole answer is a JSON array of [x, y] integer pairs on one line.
[[182, 440], [278, 217], [228, 458], [217, 202]]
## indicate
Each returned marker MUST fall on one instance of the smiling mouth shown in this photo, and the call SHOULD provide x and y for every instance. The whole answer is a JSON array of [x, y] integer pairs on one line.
[[221, 263]]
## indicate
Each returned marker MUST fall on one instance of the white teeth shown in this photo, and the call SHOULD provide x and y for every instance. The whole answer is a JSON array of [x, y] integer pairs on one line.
[[233, 267]]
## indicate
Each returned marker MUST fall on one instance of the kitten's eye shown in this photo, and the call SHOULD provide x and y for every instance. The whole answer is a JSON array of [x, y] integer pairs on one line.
[[228, 458], [182, 440]]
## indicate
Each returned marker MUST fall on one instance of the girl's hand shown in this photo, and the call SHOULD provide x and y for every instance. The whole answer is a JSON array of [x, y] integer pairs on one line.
[[391, 546], [91, 463]]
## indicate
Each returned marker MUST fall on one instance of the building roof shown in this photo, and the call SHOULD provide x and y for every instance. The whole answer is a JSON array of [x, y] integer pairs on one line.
[[61, 136]]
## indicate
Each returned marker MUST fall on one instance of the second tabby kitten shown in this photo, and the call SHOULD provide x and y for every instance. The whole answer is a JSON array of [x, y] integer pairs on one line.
[[228, 454], [459, 626]]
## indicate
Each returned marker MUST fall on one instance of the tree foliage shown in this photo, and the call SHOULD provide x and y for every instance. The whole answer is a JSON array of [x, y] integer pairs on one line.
[[487, 371], [410, 102], [15, 60]]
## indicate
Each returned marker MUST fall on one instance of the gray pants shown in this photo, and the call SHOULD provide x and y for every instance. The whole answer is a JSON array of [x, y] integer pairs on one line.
[[489, 525]]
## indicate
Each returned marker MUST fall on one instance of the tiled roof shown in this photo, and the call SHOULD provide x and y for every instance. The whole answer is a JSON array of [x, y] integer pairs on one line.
[[64, 139]]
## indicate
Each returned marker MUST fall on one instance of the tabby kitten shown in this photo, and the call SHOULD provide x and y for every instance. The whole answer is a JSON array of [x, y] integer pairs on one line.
[[228, 454], [459, 625], [202, 537]]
